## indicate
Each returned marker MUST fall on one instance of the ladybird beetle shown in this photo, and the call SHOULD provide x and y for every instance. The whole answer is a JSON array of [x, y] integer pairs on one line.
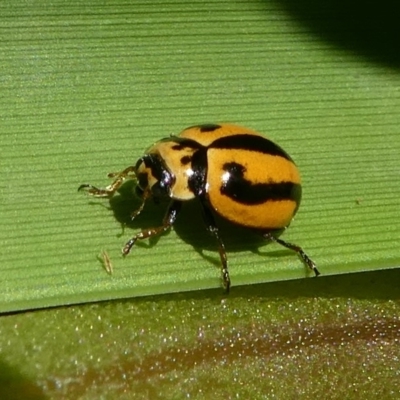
[[233, 171]]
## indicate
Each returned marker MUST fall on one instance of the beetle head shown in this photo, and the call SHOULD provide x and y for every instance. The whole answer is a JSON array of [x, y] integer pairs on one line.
[[153, 176]]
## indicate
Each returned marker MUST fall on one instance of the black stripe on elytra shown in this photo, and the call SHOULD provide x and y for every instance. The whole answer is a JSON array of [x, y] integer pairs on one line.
[[197, 181], [245, 192], [248, 141]]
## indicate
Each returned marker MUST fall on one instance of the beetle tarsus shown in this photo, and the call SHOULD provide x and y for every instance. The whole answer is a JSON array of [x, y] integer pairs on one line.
[[109, 191], [168, 221], [304, 257], [96, 192]]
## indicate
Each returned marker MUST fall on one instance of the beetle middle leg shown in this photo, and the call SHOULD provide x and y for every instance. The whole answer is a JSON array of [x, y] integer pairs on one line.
[[168, 221], [307, 260], [120, 178], [213, 229]]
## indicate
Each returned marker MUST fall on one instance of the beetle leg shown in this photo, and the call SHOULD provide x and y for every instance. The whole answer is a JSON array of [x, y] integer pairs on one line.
[[213, 229], [168, 221], [120, 177], [307, 260], [146, 194]]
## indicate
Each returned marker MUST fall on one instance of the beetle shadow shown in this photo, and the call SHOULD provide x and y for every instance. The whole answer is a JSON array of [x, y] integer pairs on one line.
[[123, 204], [189, 226], [126, 202]]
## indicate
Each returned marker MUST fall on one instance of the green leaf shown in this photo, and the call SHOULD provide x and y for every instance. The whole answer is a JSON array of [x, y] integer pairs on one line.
[[86, 87]]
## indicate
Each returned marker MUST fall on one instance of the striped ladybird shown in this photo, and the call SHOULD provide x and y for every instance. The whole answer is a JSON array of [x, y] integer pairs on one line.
[[232, 171]]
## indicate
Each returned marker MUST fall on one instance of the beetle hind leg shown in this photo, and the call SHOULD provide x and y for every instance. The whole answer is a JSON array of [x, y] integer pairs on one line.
[[214, 231], [304, 257]]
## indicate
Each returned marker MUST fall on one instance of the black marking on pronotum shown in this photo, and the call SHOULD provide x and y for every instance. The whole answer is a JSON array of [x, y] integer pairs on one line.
[[246, 192], [186, 160], [250, 142]]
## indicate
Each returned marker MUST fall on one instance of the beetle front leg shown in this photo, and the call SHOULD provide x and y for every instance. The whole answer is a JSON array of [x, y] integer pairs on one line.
[[168, 221], [213, 229], [120, 178]]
